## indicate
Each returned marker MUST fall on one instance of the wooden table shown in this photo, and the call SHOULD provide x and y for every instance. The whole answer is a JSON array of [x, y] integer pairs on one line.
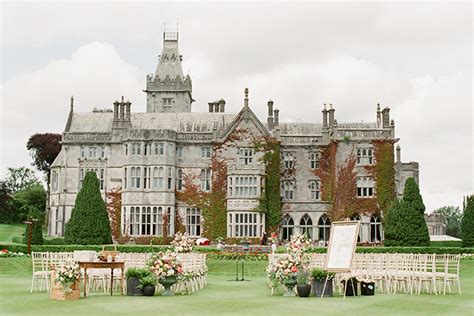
[[102, 265]]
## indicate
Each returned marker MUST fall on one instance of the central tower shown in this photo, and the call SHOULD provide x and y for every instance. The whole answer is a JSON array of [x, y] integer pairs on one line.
[[168, 90]]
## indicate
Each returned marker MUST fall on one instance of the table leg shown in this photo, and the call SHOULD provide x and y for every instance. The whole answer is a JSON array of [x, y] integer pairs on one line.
[[85, 281], [122, 279], [111, 280]]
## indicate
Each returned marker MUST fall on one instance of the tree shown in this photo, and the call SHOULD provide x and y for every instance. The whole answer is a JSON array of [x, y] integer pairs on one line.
[[7, 214], [452, 219], [392, 225], [37, 232], [467, 224], [18, 179], [89, 222], [44, 149], [405, 222], [411, 194], [33, 196]]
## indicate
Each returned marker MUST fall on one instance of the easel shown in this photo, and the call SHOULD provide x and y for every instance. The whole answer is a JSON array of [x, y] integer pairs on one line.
[[341, 249]]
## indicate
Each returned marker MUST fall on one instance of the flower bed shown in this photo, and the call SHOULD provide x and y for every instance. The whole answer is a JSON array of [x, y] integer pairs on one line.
[[5, 253]]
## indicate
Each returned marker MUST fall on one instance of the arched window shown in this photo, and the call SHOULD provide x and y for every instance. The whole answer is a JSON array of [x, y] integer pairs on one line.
[[158, 221], [306, 225], [357, 218], [288, 225], [375, 229], [324, 227]]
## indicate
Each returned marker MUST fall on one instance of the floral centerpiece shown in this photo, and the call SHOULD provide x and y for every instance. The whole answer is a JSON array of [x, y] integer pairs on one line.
[[285, 273], [298, 247], [167, 268], [68, 273], [182, 243]]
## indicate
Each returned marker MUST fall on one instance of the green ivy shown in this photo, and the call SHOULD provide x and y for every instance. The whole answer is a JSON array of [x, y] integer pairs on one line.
[[270, 203]]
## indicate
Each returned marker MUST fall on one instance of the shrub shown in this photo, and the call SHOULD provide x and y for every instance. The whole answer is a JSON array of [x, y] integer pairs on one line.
[[37, 227], [89, 223], [138, 273], [320, 274], [467, 224], [149, 280], [405, 223]]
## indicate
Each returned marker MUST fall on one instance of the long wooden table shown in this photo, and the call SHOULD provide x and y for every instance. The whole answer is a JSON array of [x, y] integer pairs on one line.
[[103, 265]]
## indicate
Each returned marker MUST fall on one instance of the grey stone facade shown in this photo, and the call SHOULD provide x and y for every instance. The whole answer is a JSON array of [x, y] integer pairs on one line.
[[147, 154]]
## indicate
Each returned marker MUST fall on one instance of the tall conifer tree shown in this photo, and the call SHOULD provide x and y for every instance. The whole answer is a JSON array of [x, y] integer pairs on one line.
[[467, 224], [89, 223]]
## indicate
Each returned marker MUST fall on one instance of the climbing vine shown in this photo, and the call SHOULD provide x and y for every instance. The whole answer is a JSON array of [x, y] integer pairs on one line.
[[269, 202], [384, 173], [339, 182], [114, 207]]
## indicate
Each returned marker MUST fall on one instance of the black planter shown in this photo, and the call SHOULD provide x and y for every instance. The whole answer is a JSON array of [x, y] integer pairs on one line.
[[318, 288], [367, 288], [351, 289], [148, 290], [132, 289], [303, 290]]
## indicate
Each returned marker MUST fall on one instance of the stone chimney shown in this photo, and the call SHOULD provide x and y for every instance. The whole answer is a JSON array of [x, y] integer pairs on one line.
[[122, 116], [211, 107], [379, 117], [127, 110], [331, 115], [276, 115], [246, 97], [270, 114], [386, 117], [399, 154], [222, 105], [325, 116]]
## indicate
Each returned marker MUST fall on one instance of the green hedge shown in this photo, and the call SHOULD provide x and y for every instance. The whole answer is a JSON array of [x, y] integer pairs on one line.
[[218, 252], [435, 250], [121, 248], [454, 243]]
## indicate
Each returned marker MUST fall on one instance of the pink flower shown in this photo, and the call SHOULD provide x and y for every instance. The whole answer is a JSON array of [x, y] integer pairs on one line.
[[294, 269]]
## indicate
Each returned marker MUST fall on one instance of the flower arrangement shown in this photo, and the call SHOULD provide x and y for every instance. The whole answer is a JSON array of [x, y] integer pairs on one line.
[[298, 248], [285, 269], [5, 253], [182, 243], [164, 264], [274, 238], [68, 273], [364, 279]]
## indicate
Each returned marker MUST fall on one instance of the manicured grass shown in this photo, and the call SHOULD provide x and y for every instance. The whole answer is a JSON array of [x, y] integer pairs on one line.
[[224, 297], [8, 231]]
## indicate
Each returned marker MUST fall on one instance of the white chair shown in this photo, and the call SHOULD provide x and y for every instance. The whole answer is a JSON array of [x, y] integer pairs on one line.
[[41, 273]]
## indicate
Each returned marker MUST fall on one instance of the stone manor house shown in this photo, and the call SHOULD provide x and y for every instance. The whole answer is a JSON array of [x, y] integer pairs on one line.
[[148, 154]]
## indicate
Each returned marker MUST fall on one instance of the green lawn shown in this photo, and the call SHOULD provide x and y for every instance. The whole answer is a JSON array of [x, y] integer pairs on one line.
[[8, 231], [222, 296]]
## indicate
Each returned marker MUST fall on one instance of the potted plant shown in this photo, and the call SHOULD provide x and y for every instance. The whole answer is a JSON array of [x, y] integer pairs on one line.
[[147, 284], [319, 277], [351, 288], [167, 268], [133, 275], [367, 286], [302, 286]]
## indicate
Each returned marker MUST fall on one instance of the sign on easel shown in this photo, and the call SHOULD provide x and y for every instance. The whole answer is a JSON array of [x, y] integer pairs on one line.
[[341, 249], [342, 245]]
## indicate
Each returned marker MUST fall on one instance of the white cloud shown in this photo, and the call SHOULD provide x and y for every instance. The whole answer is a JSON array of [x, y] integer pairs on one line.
[[39, 101]]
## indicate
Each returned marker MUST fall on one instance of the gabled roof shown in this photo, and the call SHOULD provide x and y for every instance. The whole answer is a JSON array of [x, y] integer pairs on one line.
[[245, 115]]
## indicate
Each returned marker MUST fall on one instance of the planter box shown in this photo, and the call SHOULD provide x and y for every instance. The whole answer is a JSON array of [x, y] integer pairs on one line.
[[367, 288], [59, 294], [318, 288], [132, 289], [303, 290], [351, 289]]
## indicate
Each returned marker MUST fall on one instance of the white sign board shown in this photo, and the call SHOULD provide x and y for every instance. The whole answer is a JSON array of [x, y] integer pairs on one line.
[[342, 245]]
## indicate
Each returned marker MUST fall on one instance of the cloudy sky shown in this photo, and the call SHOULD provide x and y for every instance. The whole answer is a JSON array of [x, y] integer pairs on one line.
[[415, 58]]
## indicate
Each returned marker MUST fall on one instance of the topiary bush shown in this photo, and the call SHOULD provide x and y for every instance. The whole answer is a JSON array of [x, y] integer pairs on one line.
[[467, 223], [89, 223]]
